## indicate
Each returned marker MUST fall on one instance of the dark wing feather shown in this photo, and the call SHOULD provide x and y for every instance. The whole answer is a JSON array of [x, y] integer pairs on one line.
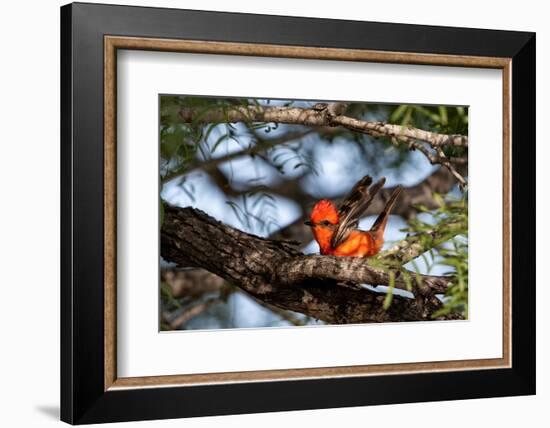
[[353, 206], [380, 223]]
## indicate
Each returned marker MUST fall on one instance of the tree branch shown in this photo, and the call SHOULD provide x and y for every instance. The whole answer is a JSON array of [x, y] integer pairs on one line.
[[412, 247], [277, 274], [320, 117], [193, 312], [331, 115], [352, 269]]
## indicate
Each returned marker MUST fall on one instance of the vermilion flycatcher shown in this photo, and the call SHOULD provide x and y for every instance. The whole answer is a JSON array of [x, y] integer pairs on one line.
[[335, 229]]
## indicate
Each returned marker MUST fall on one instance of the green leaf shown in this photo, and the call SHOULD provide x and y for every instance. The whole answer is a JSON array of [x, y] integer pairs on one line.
[[166, 294], [443, 115], [407, 278], [398, 112], [389, 295]]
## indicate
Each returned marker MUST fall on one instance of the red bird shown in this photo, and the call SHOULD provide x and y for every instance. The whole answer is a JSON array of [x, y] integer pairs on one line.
[[335, 229]]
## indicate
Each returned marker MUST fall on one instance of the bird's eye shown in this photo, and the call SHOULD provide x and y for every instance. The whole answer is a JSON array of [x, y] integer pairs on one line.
[[325, 223]]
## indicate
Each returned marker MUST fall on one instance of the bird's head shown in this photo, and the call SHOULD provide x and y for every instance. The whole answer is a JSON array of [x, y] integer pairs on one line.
[[324, 214]]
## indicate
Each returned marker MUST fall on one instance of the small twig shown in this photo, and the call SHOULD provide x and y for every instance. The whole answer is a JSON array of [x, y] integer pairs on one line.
[[443, 160], [194, 311], [437, 158]]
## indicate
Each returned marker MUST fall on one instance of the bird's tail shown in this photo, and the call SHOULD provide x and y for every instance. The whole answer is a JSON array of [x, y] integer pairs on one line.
[[380, 223]]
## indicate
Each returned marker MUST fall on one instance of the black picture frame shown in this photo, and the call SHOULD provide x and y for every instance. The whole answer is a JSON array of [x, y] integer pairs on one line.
[[83, 396]]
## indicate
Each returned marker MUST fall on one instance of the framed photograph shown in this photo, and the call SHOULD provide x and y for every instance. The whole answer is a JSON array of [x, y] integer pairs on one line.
[[266, 213]]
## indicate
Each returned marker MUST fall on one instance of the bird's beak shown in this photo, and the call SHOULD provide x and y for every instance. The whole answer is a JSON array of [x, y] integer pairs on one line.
[[308, 223]]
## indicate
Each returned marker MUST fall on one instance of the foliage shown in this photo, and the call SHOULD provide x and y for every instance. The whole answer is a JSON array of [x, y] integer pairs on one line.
[[436, 238], [451, 223], [456, 297], [255, 211]]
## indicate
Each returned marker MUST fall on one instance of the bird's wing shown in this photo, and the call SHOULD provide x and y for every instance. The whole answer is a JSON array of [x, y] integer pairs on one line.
[[353, 206], [380, 223]]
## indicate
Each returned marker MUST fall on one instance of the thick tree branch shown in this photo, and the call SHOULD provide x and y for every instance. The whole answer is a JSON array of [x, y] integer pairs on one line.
[[266, 269], [352, 269]]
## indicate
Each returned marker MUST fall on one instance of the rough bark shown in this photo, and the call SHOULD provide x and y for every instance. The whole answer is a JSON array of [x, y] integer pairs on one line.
[[191, 283], [277, 274]]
